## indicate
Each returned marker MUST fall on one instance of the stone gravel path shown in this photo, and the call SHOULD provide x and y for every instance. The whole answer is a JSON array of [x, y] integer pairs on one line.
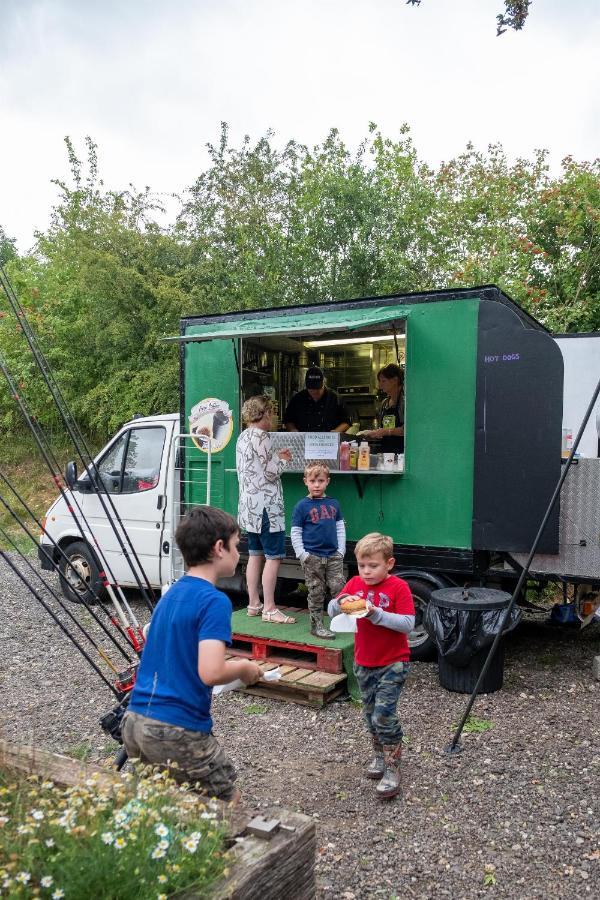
[[515, 815]]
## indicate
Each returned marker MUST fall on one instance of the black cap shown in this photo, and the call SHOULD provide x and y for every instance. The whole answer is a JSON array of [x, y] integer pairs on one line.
[[314, 378]]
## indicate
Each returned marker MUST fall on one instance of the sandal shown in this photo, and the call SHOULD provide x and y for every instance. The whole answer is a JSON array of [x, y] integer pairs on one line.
[[283, 620], [254, 610]]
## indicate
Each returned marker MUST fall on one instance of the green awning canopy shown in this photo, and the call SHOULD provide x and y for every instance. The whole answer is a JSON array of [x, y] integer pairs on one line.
[[294, 323]]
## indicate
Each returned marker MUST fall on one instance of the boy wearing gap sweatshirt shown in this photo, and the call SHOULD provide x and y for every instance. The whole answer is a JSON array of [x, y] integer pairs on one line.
[[319, 542]]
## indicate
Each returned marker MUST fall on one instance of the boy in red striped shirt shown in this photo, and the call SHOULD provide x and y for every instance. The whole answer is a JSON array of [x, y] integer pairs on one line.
[[381, 653]]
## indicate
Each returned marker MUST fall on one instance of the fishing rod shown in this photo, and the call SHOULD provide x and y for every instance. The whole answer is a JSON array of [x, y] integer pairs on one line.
[[135, 637], [76, 437], [6, 557], [102, 653], [50, 559], [454, 746]]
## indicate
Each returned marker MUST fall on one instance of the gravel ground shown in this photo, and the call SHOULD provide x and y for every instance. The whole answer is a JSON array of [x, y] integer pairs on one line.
[[516, 815]]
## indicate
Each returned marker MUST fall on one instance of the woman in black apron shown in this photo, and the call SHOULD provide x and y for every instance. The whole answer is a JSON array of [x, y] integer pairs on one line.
[[390, 431]]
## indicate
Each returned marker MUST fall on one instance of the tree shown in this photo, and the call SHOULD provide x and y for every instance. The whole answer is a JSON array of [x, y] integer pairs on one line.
[[263, 226], [514, 15]]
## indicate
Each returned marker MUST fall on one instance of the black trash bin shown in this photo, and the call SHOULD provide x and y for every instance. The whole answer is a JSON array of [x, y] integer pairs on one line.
[[463, 622]]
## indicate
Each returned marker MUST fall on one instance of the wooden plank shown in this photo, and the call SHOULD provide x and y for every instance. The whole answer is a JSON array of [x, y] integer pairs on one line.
[[295, 675], [283, 867], [321, 680], [284, 669], [303, 698]]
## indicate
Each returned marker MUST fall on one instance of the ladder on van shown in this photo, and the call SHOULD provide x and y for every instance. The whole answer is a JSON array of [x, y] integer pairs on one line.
[[191, 482]]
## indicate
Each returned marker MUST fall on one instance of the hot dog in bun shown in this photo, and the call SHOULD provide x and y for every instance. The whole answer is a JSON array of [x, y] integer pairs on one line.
[[352, 605]]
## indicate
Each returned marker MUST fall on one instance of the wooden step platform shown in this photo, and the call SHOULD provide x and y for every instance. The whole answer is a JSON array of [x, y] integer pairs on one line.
[[297, 684], [286, 652]]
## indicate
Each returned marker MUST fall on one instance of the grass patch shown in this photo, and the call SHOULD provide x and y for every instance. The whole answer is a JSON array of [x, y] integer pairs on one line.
[[473, 725], [81, 751], [255, 709]]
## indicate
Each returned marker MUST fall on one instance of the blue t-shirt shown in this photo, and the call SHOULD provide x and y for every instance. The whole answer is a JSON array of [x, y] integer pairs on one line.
[[317, 518], [168, 687]]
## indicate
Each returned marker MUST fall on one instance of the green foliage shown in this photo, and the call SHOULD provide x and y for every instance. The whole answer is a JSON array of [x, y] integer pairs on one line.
[[135, 840], [263, 226]]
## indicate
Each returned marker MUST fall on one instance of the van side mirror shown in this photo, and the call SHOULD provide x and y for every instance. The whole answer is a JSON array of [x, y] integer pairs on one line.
[[70, 474]]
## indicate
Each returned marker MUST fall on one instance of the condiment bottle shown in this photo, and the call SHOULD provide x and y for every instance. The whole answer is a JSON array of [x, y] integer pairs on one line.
[[344, 456], [364, 456], [353, 454]]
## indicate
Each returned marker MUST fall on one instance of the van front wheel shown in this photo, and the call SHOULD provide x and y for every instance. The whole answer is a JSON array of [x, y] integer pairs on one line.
[[422, 648], [80, 582]]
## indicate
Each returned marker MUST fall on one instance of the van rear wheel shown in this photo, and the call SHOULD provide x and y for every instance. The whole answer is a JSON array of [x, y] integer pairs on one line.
[[80, 582], [422, 648]]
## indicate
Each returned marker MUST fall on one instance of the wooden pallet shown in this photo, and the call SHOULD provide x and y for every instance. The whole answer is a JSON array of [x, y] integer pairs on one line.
[[293, 653], [298, 685]]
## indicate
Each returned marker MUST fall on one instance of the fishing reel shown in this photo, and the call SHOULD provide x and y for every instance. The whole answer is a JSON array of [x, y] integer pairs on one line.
[[111, 722], [125, 680]]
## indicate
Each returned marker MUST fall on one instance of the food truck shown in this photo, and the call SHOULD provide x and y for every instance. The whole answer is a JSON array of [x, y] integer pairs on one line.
[[483, 419]]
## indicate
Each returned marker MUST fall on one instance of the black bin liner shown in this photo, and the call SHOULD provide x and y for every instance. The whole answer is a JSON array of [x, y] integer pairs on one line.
[[463, 624]]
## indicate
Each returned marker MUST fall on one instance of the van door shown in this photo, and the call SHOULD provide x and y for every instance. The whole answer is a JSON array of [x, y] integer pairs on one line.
[[133, 470]]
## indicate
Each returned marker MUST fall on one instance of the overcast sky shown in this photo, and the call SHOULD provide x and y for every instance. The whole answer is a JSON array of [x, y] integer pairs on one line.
[[151, 81]]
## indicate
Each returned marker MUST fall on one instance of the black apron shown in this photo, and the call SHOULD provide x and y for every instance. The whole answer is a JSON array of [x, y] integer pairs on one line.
[[392, 417]]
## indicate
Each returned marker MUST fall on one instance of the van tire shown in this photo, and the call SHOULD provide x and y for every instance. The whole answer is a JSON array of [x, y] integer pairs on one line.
[[422, 648], [83, 559]]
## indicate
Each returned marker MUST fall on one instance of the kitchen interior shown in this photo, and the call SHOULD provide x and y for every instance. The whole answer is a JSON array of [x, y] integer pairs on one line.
[[276, 365]]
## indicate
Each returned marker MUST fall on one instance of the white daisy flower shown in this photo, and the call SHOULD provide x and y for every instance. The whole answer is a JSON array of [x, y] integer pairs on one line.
[[49, 842], [58, 894], [190, 845], [163, 845], [23, 877], [120, 817], [161, 830], [120, 843], [47, 881], [107, 837], [37, 814], [162, 879], [157, 853]]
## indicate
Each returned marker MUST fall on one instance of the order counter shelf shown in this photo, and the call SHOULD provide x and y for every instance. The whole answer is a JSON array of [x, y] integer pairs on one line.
[[359, 475]]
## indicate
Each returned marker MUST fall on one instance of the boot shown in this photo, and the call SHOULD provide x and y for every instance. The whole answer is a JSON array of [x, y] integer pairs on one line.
[[389, 785], [376, 767], [318, 628]]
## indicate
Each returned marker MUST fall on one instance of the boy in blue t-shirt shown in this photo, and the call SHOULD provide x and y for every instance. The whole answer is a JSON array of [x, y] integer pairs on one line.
[[319, 542], [168, 720]]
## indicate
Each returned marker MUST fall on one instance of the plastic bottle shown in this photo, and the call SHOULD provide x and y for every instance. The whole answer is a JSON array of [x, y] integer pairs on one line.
[[364, 456], [344, 456], [353, 454]]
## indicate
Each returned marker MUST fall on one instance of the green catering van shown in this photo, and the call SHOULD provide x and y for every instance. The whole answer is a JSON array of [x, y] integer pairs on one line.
[[482, 412]]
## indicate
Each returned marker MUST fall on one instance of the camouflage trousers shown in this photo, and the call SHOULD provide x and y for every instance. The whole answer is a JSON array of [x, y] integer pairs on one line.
[[320, 573], [192, 756], [380, 691]]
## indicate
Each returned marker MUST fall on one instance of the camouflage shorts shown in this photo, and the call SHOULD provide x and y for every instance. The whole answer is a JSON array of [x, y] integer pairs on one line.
[[320, 573], [380, 691], [198, 755]]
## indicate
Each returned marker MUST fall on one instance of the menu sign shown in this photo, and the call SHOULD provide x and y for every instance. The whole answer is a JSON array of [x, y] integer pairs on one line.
[[321, 445]]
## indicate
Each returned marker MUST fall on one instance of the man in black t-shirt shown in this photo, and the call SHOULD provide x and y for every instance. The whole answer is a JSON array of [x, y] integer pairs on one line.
[[316, 408]]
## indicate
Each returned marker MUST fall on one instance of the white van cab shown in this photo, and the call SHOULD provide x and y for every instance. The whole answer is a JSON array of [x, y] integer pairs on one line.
[[136, 470]]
